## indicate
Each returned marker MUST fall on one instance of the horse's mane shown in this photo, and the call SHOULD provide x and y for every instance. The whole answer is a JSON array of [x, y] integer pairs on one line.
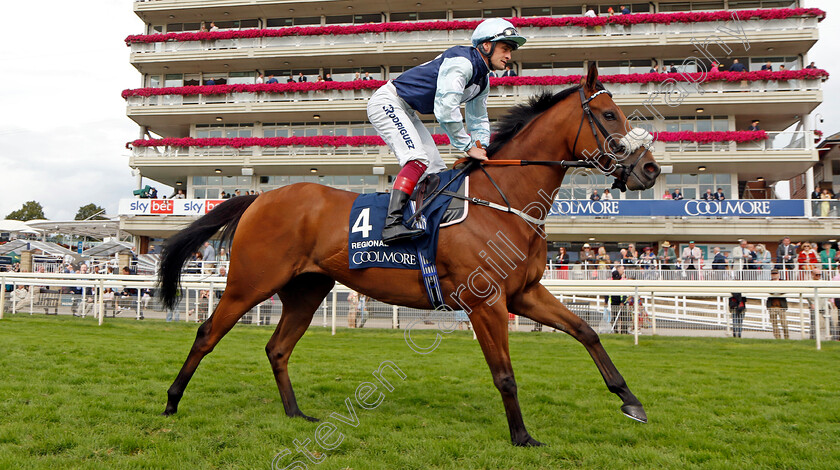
[[520, 115]]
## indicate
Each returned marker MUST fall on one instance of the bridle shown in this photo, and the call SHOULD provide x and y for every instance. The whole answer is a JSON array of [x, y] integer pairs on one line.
[[612, 164]]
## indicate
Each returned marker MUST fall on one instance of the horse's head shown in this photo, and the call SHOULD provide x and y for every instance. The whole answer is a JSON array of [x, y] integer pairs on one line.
[[607, 138]]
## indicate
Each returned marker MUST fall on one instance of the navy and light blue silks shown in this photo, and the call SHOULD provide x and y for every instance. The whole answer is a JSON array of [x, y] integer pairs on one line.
[[440, 86], [367, 218]]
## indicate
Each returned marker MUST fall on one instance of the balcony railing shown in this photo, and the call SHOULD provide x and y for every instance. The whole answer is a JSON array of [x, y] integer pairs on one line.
[[158, 43], [775, 142], [710, 89]]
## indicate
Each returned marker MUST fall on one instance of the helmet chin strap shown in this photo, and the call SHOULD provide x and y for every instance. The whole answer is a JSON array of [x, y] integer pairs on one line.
[[488, 54]]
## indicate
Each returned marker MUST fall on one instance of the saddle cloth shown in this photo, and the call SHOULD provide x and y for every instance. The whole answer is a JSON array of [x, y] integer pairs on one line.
[[367, 218]]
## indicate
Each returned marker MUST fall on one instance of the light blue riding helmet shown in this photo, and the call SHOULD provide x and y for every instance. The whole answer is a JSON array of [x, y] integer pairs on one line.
[[495, 30]]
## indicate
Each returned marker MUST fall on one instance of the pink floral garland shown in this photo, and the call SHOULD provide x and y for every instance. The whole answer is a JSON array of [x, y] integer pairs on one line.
[[579, 21], [699, 77], [440, 139]]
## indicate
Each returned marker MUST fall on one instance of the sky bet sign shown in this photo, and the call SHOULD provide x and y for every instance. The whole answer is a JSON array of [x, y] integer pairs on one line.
[[167, 206], [683, 208]]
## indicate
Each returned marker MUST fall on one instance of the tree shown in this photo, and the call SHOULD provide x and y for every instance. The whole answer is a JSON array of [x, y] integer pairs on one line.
[[90, 211], [29, 211]]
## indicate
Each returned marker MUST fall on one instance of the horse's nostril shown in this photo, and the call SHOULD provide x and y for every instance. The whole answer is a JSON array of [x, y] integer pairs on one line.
[[652, 169]]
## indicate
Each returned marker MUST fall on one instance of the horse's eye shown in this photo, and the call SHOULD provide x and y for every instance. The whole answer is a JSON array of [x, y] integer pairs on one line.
[[609, 116]]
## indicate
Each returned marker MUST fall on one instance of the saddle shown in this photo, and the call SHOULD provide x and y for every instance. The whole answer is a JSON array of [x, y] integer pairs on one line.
[[458, 207]]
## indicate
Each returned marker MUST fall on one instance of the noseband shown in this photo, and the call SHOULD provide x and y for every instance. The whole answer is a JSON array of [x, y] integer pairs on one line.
[[597, 127]]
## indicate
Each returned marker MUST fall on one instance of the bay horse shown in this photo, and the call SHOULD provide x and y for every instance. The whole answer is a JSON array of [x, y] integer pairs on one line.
[[293, 241]]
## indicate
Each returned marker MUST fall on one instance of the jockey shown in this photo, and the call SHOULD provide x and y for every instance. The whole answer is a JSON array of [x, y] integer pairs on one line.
[[459, 75]]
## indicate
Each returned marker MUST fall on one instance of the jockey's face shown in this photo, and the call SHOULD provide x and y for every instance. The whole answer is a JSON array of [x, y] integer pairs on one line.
[[501, 55]]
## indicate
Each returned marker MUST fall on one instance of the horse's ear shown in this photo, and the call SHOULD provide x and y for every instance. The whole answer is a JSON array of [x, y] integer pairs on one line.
[[591, 77]]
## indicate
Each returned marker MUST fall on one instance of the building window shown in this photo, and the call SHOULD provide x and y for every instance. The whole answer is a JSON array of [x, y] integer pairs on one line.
[[538, 69], [418, 16], [284, 22], [552, 11], [692, 186]]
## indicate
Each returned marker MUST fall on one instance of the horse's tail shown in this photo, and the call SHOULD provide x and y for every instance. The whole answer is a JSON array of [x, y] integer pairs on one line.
[[182, 245]]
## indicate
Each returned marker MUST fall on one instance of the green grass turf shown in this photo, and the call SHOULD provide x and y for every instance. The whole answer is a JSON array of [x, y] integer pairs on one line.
[[76, 395]]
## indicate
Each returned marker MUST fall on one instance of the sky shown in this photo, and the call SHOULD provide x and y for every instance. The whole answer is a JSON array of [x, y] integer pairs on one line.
[[63, 126]]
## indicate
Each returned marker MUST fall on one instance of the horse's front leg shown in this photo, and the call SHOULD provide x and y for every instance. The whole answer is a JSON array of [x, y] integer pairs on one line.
[[491, 329], [538, 304]]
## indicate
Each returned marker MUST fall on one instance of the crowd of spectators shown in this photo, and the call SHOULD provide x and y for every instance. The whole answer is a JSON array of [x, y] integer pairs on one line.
[[746, 261]]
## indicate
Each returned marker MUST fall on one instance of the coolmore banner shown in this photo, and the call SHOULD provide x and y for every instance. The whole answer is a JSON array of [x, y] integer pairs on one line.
[[683, 208], [167, 206]]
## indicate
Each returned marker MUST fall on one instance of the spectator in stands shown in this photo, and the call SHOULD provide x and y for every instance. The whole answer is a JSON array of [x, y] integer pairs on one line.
[[785, 257], [358, 76], [328, 78], [719, 260], [647, 261], [667, 256], [632, 256], [737, 305], [667, 195], [367, 76], [677, 195], [719, 196], [692, 258], [807, 259], [737, 66], [610, 11], [751, 258], [260, 79], [562, 260], [782, 68], [624, 10], [713, 68], [208, 254], [603, 258], [291, 79], [509, 72], [811, 66], [618, 306], [586, 257], [740, 257], [764, 261], [236, 192], [179, 195], [825, 205], [672, 69], [210, 82], [708, 196], [301, 77], [590, 13], [213, 27], [595, 196], [754, 125], [827, 256], [653, 69], [607, 195], [222, 272], [223, 256], [768, 66], [272, 80], [224, 195], [777, 307]]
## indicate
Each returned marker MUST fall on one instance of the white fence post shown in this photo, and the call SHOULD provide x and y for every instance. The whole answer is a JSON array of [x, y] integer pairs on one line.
[[2, 295], [334, 307], [187, 306], [395, 321], [636, 317], [816, 326], [101, 302], [801, 317], [211, 300], [653, 312]]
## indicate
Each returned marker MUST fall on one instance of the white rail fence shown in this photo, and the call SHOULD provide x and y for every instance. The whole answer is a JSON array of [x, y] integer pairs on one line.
[[638, 307]]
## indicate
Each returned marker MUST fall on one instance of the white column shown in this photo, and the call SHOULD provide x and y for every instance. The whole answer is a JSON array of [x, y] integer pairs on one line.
[[636, 318], [653, 312], [2, 295], [395, 322], [816, 325], [334, 298], [101, 303]]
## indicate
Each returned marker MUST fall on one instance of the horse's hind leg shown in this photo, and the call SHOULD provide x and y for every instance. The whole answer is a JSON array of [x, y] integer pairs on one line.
[[541, 306], [233, 305], [301, 298]]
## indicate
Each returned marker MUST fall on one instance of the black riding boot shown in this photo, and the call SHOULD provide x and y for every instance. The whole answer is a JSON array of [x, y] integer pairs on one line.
[[395, 231]]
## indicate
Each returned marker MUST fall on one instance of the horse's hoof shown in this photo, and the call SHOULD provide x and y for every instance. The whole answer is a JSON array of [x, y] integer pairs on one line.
[[528, 442], [168, 412], [635, 412], [301, 415]]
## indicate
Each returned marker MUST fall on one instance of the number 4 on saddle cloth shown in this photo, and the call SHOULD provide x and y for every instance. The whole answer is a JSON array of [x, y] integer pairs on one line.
[[367, 218]]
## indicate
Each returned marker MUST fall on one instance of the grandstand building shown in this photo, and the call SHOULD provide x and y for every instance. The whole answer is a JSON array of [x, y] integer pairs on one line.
[[211, 120]]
